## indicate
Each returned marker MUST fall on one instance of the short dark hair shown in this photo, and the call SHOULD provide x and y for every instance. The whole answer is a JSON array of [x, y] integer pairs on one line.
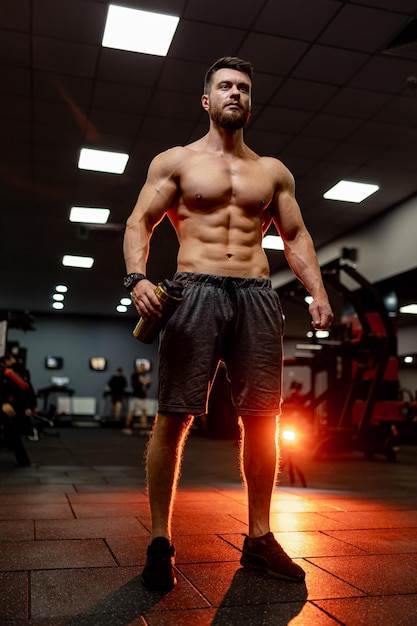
[[233, 63]]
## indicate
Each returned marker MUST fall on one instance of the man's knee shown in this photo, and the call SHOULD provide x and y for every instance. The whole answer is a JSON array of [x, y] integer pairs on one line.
[[260, 431], [173, 424], [258, 422]]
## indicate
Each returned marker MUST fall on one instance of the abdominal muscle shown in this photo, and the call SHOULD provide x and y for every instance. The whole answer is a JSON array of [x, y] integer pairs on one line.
[[223, 242]]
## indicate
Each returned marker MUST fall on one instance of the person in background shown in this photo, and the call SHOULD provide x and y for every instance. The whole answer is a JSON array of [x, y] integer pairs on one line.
[[140, 383], [221, 197], [15, 400], [117, 385]]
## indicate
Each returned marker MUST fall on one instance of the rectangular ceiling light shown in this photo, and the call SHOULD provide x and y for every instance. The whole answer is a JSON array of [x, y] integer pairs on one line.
[[102, 161], [85, 262], [89, 215], [139, 31], [409, 308], [272, 242], [349, 191]]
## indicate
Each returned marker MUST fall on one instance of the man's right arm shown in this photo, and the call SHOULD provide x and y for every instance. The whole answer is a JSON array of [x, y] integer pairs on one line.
[[155, 199]]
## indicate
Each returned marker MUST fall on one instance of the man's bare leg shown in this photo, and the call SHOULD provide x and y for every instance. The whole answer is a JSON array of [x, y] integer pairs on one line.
[[163, 468], [144, 418], [117, 409], [259, 469]]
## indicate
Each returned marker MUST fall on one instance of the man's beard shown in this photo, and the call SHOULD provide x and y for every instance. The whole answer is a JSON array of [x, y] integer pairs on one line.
[[230, 120]]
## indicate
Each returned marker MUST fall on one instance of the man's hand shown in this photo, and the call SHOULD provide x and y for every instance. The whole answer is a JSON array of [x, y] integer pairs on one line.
[[321, 313], [146, 302]]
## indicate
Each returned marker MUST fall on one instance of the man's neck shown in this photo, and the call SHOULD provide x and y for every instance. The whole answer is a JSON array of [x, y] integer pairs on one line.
[[225, 141]]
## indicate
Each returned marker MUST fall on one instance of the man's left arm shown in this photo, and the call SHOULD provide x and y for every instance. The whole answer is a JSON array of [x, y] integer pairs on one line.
[[299, 249]]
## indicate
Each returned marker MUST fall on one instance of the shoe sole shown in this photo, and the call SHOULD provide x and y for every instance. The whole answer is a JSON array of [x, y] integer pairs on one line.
[[264, 568]]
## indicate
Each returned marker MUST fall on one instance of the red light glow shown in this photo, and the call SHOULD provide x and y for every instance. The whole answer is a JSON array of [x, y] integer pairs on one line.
[[288, 435]]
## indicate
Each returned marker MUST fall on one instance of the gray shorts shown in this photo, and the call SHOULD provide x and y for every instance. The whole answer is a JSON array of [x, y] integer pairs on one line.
[[237, 320], [138, 405]]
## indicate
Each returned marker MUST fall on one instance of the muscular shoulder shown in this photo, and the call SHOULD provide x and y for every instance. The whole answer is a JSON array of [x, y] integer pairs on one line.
[[280, 173], [168, 162]]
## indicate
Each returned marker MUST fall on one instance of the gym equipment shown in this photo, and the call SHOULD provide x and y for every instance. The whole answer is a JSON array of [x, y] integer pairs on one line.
[[358, 406]]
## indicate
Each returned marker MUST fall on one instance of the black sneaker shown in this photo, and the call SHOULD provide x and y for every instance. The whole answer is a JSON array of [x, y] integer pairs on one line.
[[265, 554], [158, 573]]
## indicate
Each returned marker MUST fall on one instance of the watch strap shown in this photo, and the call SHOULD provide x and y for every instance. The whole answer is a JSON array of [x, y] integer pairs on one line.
[[130, 280]]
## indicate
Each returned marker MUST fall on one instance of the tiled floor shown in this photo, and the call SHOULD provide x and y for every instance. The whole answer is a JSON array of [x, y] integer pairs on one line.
[[75, 525]]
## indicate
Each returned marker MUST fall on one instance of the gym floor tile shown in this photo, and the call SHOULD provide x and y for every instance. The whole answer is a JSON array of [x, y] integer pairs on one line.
[[373, 541], [196, 494], [291, 504], [279, 614], [228, 584], [234, 492], [204, 548], [13, 595], [35, 511], [89, 528], [30, 489], [303, 521], [109, 497], [33, 555], [322, 584], [16, 530], [228, 507], [388, 518], [210, 523], [33, 498], [71, 480], [350, 503], [129, 551], [400, 610], [192, 617], [374, 574], [112, 509], [105, 488], [83, 593]]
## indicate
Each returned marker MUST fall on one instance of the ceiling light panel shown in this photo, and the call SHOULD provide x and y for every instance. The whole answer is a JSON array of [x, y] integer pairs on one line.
[[102, 161], [139, 31], [350, 191], [89, 215], [70, 260]]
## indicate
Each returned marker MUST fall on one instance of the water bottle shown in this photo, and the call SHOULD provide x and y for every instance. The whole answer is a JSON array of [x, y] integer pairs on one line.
[[170, 295]]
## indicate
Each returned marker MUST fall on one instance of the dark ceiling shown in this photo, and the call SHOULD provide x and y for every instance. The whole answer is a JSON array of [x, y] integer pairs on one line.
[[330, 99]]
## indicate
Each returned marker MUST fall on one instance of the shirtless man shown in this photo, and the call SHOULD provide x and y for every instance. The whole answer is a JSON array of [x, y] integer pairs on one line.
[[221, 198]]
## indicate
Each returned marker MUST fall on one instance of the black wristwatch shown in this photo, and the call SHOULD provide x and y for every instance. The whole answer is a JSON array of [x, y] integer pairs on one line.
[[131, 280]]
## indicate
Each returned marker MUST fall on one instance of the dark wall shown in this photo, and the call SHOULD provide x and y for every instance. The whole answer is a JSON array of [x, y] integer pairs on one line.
[[76, 340]]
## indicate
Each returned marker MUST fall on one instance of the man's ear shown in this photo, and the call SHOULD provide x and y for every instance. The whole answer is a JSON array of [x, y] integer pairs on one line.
[[205, 102]]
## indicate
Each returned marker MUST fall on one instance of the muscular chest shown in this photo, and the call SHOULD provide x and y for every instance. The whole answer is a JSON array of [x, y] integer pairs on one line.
[[216, 182]]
